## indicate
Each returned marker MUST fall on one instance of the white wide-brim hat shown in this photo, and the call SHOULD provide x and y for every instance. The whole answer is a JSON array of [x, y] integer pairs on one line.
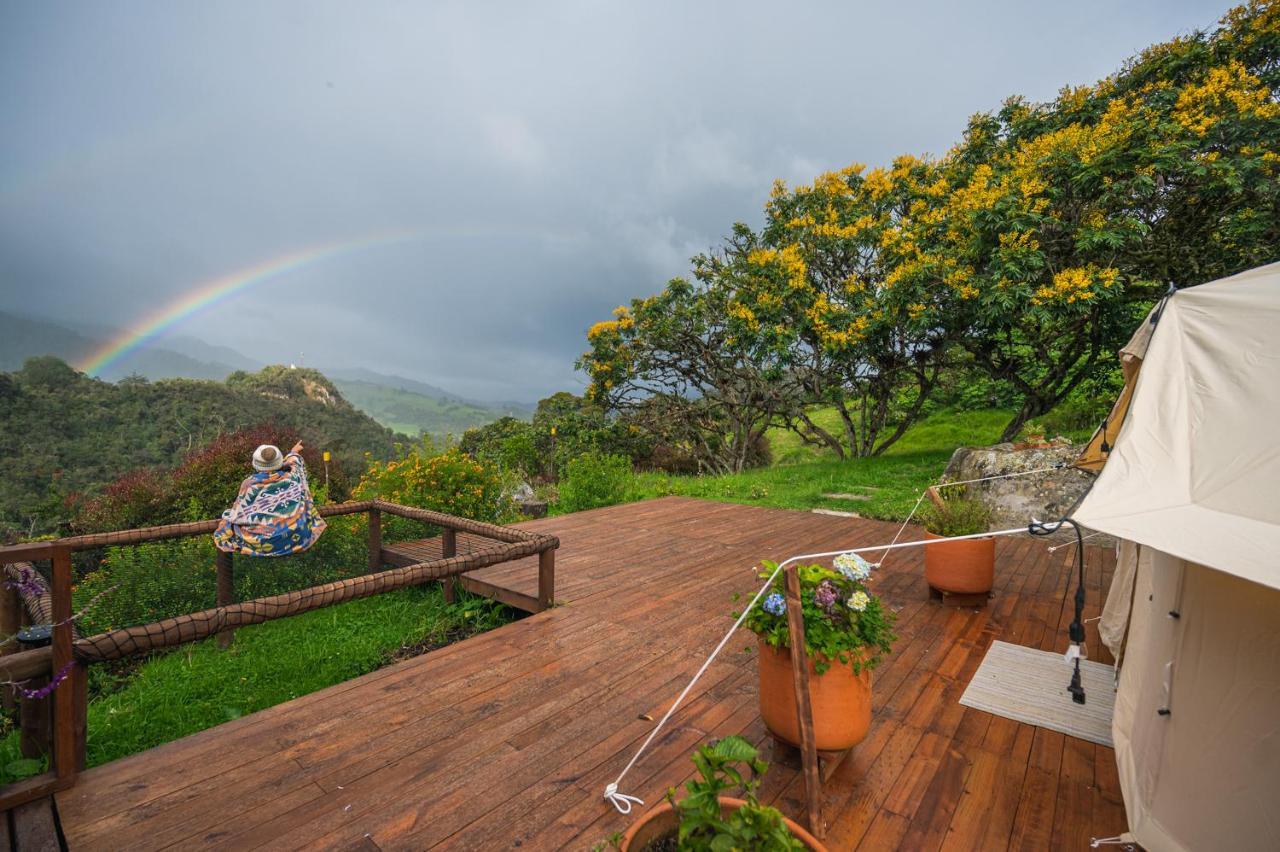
[[265, 452]]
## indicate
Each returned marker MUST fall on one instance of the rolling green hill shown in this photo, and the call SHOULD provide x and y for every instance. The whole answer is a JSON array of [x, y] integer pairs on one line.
[[412, 412]]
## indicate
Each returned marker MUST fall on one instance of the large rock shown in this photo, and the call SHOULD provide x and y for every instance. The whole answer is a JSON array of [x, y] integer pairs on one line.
[[1015, 500]]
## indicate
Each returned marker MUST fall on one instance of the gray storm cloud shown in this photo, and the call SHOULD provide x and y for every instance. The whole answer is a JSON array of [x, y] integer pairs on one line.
[[554, 159]]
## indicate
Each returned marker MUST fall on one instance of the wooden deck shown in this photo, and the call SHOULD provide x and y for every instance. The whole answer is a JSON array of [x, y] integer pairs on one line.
[[508, 739]]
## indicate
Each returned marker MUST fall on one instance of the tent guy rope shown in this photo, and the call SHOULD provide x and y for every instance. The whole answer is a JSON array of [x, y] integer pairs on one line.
[[623, 802]]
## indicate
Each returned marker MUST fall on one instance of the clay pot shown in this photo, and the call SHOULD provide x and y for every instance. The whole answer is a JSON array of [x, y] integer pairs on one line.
[[961, 567], [840, 699], [664, 820]]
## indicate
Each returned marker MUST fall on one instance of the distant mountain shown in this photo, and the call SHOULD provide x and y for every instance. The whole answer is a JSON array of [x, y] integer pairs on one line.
[[413, 413], [360, 374], [404, 405], [23, 337]]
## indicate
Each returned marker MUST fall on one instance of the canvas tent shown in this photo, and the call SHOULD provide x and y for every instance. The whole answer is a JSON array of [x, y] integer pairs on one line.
[[1190, 485]]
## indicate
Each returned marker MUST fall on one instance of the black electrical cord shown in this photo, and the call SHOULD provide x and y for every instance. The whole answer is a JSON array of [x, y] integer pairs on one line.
[[1076, 630]]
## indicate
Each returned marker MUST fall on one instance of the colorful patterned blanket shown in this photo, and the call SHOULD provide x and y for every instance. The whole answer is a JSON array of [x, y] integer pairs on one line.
[[273, 514]]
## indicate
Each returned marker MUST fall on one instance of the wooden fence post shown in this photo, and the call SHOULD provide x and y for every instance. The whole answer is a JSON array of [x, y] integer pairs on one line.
[[375, 540], [226, 592], [546, 579], [65, 758], [10, 624], [804, 708], [448, 550]]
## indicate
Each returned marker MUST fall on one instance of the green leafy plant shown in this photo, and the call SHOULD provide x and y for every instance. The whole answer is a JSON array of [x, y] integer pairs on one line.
[[956, 516], [843, 621], [593, 480], [724, 766]]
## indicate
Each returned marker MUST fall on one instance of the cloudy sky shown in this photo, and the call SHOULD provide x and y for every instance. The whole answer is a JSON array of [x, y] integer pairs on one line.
[[488, 178]]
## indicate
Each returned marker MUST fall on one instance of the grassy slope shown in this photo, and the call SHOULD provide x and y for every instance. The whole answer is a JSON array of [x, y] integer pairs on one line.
[[801, 475], [411, 413], [199, 686]]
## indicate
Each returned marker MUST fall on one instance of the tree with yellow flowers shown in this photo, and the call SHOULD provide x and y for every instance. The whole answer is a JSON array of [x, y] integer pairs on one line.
[[1027, 252]]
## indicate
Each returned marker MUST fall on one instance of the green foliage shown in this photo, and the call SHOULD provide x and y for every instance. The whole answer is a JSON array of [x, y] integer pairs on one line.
[[956, 516], [843, 622], [725, 766], [451, 482], [63, 434], [412, 413], [593, 480]]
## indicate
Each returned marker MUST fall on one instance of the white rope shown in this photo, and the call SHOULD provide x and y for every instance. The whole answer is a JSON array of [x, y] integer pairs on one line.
[[1057, 547], [622, 801], [925, 492]]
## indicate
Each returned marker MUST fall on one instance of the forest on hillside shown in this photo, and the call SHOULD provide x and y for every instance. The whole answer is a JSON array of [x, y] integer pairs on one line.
[[64, 435]]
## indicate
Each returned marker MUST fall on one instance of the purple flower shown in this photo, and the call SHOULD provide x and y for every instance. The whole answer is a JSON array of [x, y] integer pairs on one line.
[[28, 583], [775, 604], [46, 690], [826, 595]]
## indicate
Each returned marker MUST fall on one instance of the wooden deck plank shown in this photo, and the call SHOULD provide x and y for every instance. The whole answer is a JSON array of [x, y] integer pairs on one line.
[[508, 738]]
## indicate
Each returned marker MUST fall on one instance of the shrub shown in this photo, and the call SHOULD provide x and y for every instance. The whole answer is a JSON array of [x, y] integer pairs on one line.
[[451, 482], [140, 498], [956, 516], [593, 480]]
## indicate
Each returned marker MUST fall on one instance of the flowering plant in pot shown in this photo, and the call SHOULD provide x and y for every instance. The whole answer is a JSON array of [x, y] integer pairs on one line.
[[847, 630], [707, 820], [958, 567]]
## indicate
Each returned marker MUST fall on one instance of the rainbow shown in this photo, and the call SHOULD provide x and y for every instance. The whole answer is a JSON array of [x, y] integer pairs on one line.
[[219, 290]]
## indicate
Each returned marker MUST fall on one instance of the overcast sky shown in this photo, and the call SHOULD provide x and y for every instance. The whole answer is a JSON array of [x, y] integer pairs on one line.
[[546, 160]]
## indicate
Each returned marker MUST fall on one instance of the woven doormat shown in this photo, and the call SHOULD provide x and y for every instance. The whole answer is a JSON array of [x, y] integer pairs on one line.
[[1030, 686]]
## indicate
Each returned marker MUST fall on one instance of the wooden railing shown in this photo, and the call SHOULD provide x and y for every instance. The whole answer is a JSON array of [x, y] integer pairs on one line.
[[65, 658]]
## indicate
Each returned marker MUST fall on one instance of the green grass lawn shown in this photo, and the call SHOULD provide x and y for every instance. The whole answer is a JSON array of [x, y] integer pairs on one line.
[[885, 486], [200, 685]]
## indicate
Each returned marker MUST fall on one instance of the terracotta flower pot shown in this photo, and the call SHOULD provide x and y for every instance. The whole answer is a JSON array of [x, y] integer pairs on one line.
[[961, 567], [840, 699], [663, 821]]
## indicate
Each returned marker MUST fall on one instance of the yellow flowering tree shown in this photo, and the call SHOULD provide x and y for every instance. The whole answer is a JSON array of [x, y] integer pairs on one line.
[[674, 365], [1062, 222], [826, 284]]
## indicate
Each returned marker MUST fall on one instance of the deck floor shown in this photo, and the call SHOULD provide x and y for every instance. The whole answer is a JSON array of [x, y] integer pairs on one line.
[[508, 739]]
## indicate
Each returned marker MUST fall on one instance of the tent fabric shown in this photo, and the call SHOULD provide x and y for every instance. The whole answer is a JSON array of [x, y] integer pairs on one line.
[[1206, 775], [1113, 626], [1193, 613], [1094, 456], [1195, 465]]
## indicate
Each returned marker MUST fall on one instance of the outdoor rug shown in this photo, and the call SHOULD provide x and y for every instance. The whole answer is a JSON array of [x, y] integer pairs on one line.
[[1030, 686]]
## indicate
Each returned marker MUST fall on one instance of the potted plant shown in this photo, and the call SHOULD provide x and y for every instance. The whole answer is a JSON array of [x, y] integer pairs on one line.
[[847, 630], [706, 819], [958, 567]]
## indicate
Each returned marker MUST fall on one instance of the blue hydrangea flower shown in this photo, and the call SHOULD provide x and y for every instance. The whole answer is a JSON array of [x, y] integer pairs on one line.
[[775, 604], [852, 566]]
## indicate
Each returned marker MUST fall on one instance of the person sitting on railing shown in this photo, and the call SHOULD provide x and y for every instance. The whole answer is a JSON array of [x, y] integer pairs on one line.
[[274, 514]]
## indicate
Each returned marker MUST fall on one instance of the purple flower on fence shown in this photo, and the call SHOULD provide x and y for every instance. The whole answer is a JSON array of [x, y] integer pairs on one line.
[[46, 690], [28, 583], [775, 604]]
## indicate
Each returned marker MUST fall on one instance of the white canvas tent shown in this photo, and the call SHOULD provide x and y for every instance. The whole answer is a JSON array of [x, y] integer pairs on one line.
[[1191, 487]]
